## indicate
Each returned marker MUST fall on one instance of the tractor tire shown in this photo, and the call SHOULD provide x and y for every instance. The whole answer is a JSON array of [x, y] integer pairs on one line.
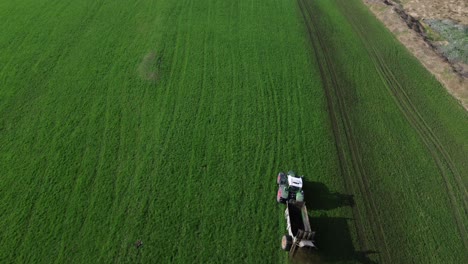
[[280, 200], [286, 242], [279, 177]]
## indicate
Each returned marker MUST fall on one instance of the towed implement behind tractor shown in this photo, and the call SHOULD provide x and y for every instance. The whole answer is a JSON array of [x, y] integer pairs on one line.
[[297, 219]]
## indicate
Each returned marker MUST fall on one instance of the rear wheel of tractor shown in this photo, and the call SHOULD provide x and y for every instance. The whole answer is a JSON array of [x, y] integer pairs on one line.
[[286, 243], [279, 195], [279, 178], [279, 199]]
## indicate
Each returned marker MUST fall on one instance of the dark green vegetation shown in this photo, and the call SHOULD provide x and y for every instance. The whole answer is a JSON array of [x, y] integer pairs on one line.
[[401, 140], [456, 36], [167, 121]]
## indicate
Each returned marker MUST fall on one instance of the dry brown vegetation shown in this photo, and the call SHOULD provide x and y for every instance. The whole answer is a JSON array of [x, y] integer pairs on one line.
[[450, 75], [441, 9]]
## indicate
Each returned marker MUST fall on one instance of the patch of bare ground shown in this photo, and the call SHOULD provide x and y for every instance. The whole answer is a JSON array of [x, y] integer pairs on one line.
[[405, 25], [439, 9], [149, 67]]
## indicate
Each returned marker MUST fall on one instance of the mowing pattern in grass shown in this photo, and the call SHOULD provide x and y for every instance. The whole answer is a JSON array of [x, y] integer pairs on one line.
[[401, 138], [167, 121], [164, 121]]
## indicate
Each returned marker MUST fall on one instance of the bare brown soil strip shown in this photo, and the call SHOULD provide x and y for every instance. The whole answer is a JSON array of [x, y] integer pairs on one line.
[[451, 76], [440, 9], [353, 171]]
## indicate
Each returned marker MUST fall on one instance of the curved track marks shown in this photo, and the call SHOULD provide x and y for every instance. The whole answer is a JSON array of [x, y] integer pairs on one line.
[[440, 155]]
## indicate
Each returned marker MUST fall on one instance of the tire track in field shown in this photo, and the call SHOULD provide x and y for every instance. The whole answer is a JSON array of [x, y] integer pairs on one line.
[[345, 142], [439, 154], [182, 38], [163, 134], [172, 16], [334, 122], [261, 94], [276, 125], [25, 95], [404, 98]]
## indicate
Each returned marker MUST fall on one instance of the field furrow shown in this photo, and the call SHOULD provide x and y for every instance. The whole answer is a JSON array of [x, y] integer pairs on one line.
[[441, 158], [166, 122], [342, 57], [357, 173]]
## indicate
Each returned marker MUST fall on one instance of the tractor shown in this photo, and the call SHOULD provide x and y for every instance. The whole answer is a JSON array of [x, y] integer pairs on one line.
[[299, 233], [289, 188]]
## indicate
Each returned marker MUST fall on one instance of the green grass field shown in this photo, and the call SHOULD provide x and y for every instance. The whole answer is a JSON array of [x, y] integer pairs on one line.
[[167, 121], [401, 138], [97, 153]]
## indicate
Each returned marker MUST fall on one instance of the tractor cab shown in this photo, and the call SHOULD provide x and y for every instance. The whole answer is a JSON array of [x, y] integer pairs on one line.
[[289, 187], [295, 183]]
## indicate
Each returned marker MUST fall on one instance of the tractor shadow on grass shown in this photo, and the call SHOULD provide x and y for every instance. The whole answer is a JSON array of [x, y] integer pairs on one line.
[[334, 243], [333, 237], [319, 197]]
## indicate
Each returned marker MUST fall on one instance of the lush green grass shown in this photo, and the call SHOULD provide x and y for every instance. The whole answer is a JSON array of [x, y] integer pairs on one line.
[[403, 138], [167, 121], [97, 152]]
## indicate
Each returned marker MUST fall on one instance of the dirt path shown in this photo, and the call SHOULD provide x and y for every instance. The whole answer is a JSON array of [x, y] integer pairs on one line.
[[455, 82], [441, 9]]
